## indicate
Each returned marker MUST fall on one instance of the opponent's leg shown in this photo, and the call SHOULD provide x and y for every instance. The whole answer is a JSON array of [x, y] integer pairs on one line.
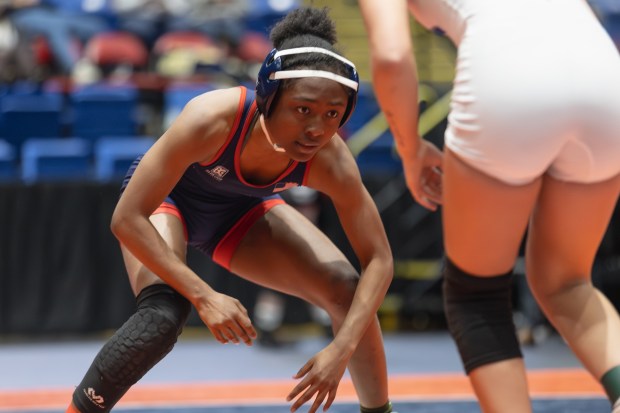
[[479, 314], [145, 338], [566, 231], [484, 221], [286, 252]]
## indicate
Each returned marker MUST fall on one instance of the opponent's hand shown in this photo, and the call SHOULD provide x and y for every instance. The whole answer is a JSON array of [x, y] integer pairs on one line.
[[227, 319], [320, 376], [424, 175]]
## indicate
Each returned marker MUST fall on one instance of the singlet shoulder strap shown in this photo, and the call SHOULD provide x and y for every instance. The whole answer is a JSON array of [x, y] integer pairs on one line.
[[245, 112]]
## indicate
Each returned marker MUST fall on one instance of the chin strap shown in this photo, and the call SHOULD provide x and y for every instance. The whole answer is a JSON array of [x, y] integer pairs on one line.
[[275, 146]]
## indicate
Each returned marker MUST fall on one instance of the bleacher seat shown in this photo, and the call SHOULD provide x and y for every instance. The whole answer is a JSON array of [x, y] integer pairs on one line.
[[8, 161], [183, 40], [176, 97], [184, 54], [263, 14], [114, 154], [24, 87], [28, 115], [103, 109], [56, 159], [253, 47], [117, 48]]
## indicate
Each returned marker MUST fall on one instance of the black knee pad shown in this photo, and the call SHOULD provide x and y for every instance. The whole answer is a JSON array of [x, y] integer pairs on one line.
[[479, 315], [148, 335]]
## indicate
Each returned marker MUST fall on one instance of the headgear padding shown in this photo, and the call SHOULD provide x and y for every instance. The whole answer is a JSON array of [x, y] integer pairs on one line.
[[271, 73]]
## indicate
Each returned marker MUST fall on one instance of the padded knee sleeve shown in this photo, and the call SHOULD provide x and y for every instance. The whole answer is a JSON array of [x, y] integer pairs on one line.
[[479, 315], [148, 335]]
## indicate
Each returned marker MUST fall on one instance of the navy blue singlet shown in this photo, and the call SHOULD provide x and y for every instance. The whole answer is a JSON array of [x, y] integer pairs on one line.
[[215, 203]]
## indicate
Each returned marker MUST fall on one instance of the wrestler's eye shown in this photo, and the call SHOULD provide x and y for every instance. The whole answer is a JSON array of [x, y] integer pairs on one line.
[[304, 110]]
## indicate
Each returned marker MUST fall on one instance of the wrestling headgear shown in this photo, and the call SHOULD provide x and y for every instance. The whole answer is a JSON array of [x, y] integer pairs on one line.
[[271, 72]]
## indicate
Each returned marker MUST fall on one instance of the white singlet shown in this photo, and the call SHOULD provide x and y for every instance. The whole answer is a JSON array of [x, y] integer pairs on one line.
[[537, 88]]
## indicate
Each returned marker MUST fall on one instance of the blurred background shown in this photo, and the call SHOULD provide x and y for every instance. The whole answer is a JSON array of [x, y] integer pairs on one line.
[[86, 85]]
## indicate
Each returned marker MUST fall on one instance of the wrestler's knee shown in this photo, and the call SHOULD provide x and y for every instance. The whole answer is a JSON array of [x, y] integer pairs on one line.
[[134, 349], [340, 289]]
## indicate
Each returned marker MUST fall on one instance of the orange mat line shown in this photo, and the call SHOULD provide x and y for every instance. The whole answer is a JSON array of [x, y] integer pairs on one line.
[[561, 382]]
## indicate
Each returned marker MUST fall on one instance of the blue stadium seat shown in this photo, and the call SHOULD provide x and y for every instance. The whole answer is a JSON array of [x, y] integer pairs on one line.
[[102, 110], [114, 154], [8, 161], [56, 159], [263, 14], [24, 87], [176, 97], [29, 115]]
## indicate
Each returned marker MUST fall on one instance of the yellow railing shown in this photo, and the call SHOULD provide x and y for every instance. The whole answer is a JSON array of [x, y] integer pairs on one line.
[[376, 126]]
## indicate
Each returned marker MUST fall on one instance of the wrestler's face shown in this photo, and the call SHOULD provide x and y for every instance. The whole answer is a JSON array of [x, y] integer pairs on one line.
[[307, 114]]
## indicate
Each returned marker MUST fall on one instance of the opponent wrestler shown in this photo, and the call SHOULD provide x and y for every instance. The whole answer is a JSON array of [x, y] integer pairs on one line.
[[533, 138]]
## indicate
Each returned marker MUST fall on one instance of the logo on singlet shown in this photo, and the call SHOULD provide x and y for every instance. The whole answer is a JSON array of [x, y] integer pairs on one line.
[[218, 172], [283, 186], [94, 397]]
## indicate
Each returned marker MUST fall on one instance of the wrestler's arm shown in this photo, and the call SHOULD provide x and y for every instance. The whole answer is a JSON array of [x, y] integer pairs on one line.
[[334, 172], [195, 136]]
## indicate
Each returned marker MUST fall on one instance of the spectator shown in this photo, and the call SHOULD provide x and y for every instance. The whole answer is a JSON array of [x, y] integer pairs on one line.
[[149, 19], [65, 26]]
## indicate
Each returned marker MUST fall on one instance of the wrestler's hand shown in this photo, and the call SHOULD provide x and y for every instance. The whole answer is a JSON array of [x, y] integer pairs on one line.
[[423, 175], [227, 319], [320, 376]]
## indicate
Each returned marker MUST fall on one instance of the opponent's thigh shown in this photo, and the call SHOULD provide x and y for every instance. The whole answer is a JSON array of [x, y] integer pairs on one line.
[[484, 219], [566, 231]]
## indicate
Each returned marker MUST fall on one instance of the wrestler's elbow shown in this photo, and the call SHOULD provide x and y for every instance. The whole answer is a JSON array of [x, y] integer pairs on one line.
[[121, 224]]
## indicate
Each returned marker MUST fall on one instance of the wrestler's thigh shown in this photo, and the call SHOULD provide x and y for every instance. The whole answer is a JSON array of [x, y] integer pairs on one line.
[[284, 251], [170, 228]]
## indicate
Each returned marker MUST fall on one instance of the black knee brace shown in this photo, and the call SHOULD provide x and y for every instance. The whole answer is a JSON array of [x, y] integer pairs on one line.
[[479, 315], [134, 349]]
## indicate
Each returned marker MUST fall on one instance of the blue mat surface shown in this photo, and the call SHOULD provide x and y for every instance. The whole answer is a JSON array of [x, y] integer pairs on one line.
[[539, 406]]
